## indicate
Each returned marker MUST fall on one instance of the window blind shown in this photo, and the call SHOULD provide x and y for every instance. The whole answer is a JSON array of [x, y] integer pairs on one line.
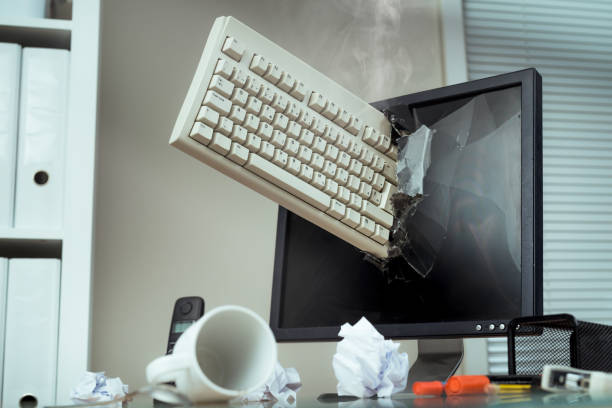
[[570, 44]]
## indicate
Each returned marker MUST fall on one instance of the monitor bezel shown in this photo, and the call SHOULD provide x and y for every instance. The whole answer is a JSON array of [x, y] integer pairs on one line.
[[531, 215]]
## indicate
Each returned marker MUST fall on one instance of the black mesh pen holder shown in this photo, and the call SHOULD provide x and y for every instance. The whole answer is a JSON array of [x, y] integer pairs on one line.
[[557, 339]]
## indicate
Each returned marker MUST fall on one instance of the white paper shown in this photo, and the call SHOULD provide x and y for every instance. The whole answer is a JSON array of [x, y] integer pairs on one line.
[[365, 364], [97, 387], [282, 386]]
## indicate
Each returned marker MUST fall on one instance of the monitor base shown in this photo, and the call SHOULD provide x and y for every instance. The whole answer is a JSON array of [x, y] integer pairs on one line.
[[437, 360]]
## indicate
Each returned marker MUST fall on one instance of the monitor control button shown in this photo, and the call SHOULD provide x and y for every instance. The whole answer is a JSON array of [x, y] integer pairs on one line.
[[478, 327], [491, 327], [186, 307], [502, 326]]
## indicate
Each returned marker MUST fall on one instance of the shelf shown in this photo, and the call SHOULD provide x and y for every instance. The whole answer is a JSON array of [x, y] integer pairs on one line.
[[30, 244], [36, 32]]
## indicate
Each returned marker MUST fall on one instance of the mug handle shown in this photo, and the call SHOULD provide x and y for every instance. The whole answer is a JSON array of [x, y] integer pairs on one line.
[[164, 369]]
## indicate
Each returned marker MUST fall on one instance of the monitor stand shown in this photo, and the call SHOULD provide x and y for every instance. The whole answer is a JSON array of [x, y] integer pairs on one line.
[[437, 360]]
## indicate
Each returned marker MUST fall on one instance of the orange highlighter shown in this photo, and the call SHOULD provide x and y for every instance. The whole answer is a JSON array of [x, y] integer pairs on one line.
[[456, 385]]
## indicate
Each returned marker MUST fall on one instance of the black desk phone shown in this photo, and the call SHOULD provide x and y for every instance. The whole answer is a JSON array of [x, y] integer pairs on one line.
[[186, 311]]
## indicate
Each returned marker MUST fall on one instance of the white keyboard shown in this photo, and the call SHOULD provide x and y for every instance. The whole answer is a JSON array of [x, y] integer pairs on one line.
[[270, 121]]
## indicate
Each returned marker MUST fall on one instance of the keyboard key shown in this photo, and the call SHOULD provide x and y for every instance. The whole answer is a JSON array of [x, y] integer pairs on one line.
[[265, 130], [286, 82], [377, 214], [239, 134], [280, 158], [355, 202], [239, 78], [319, 145], [318, 127], [259, 64], [317, 161], [279, 139], [366, 226], [305, 118], [341, 176], [390, 171], [217, 102], [279, 103], [343, 118], [331, 187], [331, 135], [280, 122], [220, 144], [224, 68], [306, 172], [238, 154], [381, 234], [387, 193], [378, 164], [329, 169], [251, 122], [299, 91], [330, 111], [267, 114], [293, 110], [221, 85], [365, 190], [253, 143], [293, 130], [208, 116], [267, 150], [317, 101], [306, 137], [252, 86], [353, 183], [225, 126], [367, 174], [392, 152], [370, 136], [201, 133], [288, 182], [266, 94], [343, 160], [366, 156], [354, 125], [273, 74], [344, 195], [336, 209], [253, 105], [304, 154], [331, 152], [376, 198], [292, 146], [355, 149], [318, 180], [240, 97], [294, 166], [384, 143], [344, 141], [351, 218], [378, 182], [237, 114], [355, 167], [233, 48]]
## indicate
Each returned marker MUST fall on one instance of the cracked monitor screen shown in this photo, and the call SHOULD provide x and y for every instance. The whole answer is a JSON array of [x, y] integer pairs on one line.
[[463, 259]]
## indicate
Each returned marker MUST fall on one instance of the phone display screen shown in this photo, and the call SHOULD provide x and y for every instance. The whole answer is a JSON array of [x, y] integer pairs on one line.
[[180, 327]]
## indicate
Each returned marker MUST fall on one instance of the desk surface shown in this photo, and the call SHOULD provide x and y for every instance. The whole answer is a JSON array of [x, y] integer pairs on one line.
[[536, 399]]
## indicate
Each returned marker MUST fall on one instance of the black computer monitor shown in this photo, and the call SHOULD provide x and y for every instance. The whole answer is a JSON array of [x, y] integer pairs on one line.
[[478, 228]]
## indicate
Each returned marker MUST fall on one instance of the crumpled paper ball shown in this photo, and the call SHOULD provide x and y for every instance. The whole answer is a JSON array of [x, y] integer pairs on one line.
[[95, 387], [282, 386], [366, 364]]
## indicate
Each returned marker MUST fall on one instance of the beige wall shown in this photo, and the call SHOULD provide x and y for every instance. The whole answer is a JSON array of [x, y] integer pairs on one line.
[[166, 225]]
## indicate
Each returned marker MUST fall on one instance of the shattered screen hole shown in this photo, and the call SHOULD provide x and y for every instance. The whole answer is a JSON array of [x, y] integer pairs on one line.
[[456, 241]]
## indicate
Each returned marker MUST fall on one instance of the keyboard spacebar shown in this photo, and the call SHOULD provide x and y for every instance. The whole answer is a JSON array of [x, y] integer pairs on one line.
[[288, 182]]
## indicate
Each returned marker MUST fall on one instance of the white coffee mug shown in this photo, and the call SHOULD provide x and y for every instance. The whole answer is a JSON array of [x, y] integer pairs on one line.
[[228, 352]]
